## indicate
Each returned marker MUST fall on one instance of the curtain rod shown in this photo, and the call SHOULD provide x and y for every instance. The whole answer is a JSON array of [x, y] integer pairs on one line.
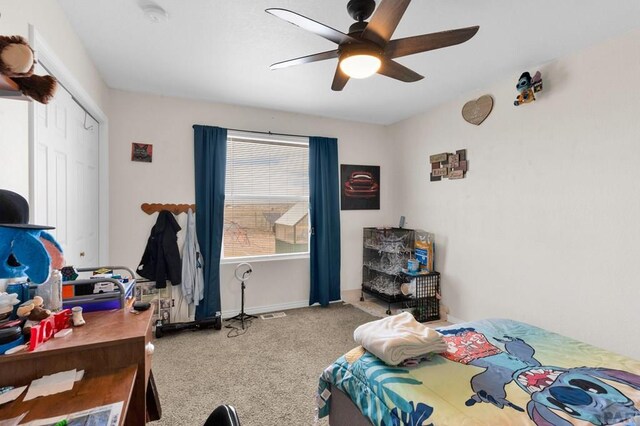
[[269, 133]]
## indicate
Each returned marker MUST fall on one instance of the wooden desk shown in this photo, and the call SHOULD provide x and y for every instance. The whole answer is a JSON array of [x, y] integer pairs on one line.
[[110, 340], [114, 387]]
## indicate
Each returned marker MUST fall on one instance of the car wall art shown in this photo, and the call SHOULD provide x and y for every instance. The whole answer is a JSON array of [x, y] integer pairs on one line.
[[359, 187]]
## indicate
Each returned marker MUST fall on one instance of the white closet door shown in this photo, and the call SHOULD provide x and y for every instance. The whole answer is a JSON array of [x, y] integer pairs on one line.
[[66, 177]]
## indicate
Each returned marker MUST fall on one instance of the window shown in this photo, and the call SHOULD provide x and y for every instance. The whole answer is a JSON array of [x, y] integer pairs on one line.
[[266, 209]]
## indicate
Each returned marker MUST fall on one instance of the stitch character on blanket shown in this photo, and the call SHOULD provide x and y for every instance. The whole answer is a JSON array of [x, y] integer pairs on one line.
[[579, 392]]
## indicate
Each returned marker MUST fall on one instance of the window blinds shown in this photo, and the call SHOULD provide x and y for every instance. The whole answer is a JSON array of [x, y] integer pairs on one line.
[[267, 192]]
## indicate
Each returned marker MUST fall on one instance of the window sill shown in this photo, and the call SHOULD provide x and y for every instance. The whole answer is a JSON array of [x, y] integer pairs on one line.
[[267, 258]]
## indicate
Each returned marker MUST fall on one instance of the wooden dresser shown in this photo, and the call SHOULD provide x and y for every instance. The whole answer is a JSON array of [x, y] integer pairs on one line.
[[111, 347]]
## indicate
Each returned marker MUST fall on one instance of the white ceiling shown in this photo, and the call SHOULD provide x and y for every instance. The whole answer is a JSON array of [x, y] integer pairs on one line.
[[220, 50]]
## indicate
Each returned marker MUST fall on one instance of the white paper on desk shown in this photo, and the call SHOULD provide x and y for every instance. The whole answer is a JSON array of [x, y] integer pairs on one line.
[[107, 415], [11, 395], [52, 384], [14, 421]]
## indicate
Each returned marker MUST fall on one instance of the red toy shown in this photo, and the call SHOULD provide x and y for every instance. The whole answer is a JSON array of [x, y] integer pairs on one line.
[[48, 327]]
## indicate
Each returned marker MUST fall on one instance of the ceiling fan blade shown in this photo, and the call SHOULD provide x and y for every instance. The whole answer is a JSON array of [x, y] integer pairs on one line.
[[385, 20], [425, 42], [312, 26], [399, 72], [339, 80], [305, 59]]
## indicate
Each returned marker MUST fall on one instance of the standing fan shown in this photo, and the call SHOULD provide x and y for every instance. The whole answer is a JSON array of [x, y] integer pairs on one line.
[[243, 272]]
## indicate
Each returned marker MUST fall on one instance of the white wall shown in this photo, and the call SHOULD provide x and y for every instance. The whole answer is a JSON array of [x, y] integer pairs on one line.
[[49, 20], [14, 147], [545, 227], [542, 230], [166, 123]]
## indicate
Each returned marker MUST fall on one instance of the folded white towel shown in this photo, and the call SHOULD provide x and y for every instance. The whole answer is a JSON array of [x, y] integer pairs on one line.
[[396, 338]]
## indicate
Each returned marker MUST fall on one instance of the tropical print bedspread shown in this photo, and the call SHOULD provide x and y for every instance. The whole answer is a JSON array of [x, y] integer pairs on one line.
[[495, 372]]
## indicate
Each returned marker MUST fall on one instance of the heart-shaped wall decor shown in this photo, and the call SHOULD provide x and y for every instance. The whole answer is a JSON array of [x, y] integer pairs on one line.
[[476, 111]]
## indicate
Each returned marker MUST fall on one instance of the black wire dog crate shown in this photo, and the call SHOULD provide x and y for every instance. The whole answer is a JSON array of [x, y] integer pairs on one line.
[[425, 301], [385, 253]]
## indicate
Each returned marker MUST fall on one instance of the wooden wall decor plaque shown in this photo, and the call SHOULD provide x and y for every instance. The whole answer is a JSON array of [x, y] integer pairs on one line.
[[476, 111], [440, 172], [438, 158], [449, 166]]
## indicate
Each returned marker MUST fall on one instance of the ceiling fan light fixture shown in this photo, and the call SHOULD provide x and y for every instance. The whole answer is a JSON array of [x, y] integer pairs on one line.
[[361, 65], [368, 47]]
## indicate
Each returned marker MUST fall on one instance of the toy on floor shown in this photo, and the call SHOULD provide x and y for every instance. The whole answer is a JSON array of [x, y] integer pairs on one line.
[[25, 250], [214, 322], [17, 64], [527, 87]]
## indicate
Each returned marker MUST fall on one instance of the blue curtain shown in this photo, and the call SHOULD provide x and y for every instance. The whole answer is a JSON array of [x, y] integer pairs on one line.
[[210, 149], [324, 208]]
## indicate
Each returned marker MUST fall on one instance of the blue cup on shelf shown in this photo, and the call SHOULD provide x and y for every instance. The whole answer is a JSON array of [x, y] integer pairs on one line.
[[413, 265]]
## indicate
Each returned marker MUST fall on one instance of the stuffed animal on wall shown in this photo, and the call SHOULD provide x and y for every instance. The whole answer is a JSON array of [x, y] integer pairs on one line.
[[25, 250], [33, 310], [17, 64], [527, 87]]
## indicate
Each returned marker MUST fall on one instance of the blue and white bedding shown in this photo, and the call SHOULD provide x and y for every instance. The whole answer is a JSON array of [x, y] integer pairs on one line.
[[494, 372]]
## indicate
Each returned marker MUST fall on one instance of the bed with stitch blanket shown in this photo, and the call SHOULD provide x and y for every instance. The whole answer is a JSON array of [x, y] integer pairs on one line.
[[494, 372]]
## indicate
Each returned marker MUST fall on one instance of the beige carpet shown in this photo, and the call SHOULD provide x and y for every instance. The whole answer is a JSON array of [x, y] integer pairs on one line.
[[269, 374]]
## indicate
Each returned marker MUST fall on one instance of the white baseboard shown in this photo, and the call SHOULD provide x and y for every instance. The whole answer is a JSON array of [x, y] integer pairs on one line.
[[271, 308], [267, 308], [454, 320]]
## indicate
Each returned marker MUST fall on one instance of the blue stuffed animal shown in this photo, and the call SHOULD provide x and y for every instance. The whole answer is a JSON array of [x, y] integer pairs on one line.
[[25, 250], [25, 254]]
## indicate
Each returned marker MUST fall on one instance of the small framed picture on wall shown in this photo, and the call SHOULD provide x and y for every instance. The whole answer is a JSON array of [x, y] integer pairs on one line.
[[360, 187], [142, 152]]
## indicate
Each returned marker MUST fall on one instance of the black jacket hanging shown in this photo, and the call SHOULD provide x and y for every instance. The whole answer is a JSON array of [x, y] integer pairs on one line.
[[161, 259]]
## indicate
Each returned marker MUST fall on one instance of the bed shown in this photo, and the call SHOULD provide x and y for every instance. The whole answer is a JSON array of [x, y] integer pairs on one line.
[[494, 372]]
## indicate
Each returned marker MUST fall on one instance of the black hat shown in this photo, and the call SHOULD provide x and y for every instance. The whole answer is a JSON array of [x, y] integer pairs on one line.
[[14, 211]]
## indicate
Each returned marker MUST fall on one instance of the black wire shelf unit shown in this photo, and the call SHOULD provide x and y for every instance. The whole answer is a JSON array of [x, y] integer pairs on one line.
[[385, 255], [385, 252]]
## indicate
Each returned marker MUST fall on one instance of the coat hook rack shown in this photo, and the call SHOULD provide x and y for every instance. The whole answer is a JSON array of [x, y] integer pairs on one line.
[[151, 208]]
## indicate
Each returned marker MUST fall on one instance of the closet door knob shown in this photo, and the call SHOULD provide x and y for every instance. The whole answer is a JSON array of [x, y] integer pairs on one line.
[[81, 254]]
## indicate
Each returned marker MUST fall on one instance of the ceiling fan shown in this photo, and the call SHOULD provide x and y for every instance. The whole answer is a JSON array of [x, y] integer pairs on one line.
[[368, 47]]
